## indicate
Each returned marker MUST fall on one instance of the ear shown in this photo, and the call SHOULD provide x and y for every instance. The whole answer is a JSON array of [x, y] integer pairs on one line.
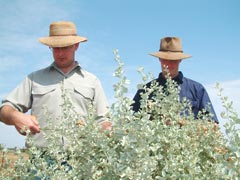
[[76, 46]]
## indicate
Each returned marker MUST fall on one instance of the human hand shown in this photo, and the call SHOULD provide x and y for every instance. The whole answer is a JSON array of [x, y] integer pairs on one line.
[[106, 125], [24, 122]]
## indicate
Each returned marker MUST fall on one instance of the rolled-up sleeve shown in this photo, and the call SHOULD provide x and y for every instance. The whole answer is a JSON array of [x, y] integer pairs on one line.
[[20, 97]]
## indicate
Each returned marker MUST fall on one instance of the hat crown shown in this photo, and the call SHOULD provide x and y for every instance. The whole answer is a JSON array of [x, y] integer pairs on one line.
[[62, 29], [172, 44], [170, 49]]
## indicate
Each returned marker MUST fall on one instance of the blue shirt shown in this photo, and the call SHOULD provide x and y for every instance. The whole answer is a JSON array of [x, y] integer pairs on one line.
[[192, 90]]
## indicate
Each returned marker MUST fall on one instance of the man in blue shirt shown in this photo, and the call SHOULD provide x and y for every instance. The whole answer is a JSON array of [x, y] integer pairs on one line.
[[170, 56]]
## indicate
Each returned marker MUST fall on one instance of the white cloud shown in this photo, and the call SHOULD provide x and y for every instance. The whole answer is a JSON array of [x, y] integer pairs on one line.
[[230, 90], [21, 14], [9, 62], [9, 137]]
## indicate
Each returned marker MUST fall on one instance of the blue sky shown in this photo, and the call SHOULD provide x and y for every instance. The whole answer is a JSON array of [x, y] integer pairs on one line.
[[209, 31]]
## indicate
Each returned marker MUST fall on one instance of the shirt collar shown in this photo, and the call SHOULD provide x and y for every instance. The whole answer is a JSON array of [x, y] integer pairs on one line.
[[77, 68], [179, 78]]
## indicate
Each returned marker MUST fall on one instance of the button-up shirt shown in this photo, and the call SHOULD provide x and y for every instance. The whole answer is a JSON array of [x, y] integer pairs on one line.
[[44, 89], [192, 90]]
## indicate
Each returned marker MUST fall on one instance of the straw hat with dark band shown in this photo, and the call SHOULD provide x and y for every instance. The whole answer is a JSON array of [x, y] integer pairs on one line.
[[62, 34], [170, 49]]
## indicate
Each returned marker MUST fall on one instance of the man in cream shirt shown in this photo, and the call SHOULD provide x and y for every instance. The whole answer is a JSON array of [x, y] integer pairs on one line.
[[43, 88]]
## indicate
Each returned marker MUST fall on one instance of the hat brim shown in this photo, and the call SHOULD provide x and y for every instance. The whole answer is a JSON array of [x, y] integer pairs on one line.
[[61, 41], [170, 55]]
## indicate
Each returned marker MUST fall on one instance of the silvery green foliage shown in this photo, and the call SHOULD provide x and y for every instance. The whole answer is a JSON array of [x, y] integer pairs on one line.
[[232, 128], [162, 141]]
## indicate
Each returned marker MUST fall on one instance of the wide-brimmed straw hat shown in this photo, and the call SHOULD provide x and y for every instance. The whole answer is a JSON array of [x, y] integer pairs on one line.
[[62, 34], [170, 49]]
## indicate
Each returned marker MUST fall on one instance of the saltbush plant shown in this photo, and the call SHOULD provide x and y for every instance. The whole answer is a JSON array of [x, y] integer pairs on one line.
[[161, 141]]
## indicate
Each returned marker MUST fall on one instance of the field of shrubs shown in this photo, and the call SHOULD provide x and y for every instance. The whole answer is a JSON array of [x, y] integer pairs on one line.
[[162, 141]]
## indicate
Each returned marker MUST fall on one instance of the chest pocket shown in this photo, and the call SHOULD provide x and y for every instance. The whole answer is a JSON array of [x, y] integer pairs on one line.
[[44, 95], [41, 90], [86, 93]]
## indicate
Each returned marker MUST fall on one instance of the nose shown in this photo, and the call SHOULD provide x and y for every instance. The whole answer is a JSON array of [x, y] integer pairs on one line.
[[59, 51]]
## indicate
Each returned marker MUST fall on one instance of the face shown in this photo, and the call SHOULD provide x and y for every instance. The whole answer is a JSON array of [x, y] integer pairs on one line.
[[171, 65], [64, 57]]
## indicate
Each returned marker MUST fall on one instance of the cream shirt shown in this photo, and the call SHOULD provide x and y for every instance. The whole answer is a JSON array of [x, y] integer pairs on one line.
[[43, 89]]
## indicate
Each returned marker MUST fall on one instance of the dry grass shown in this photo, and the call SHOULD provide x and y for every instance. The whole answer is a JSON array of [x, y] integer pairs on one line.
[[8, 159]]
